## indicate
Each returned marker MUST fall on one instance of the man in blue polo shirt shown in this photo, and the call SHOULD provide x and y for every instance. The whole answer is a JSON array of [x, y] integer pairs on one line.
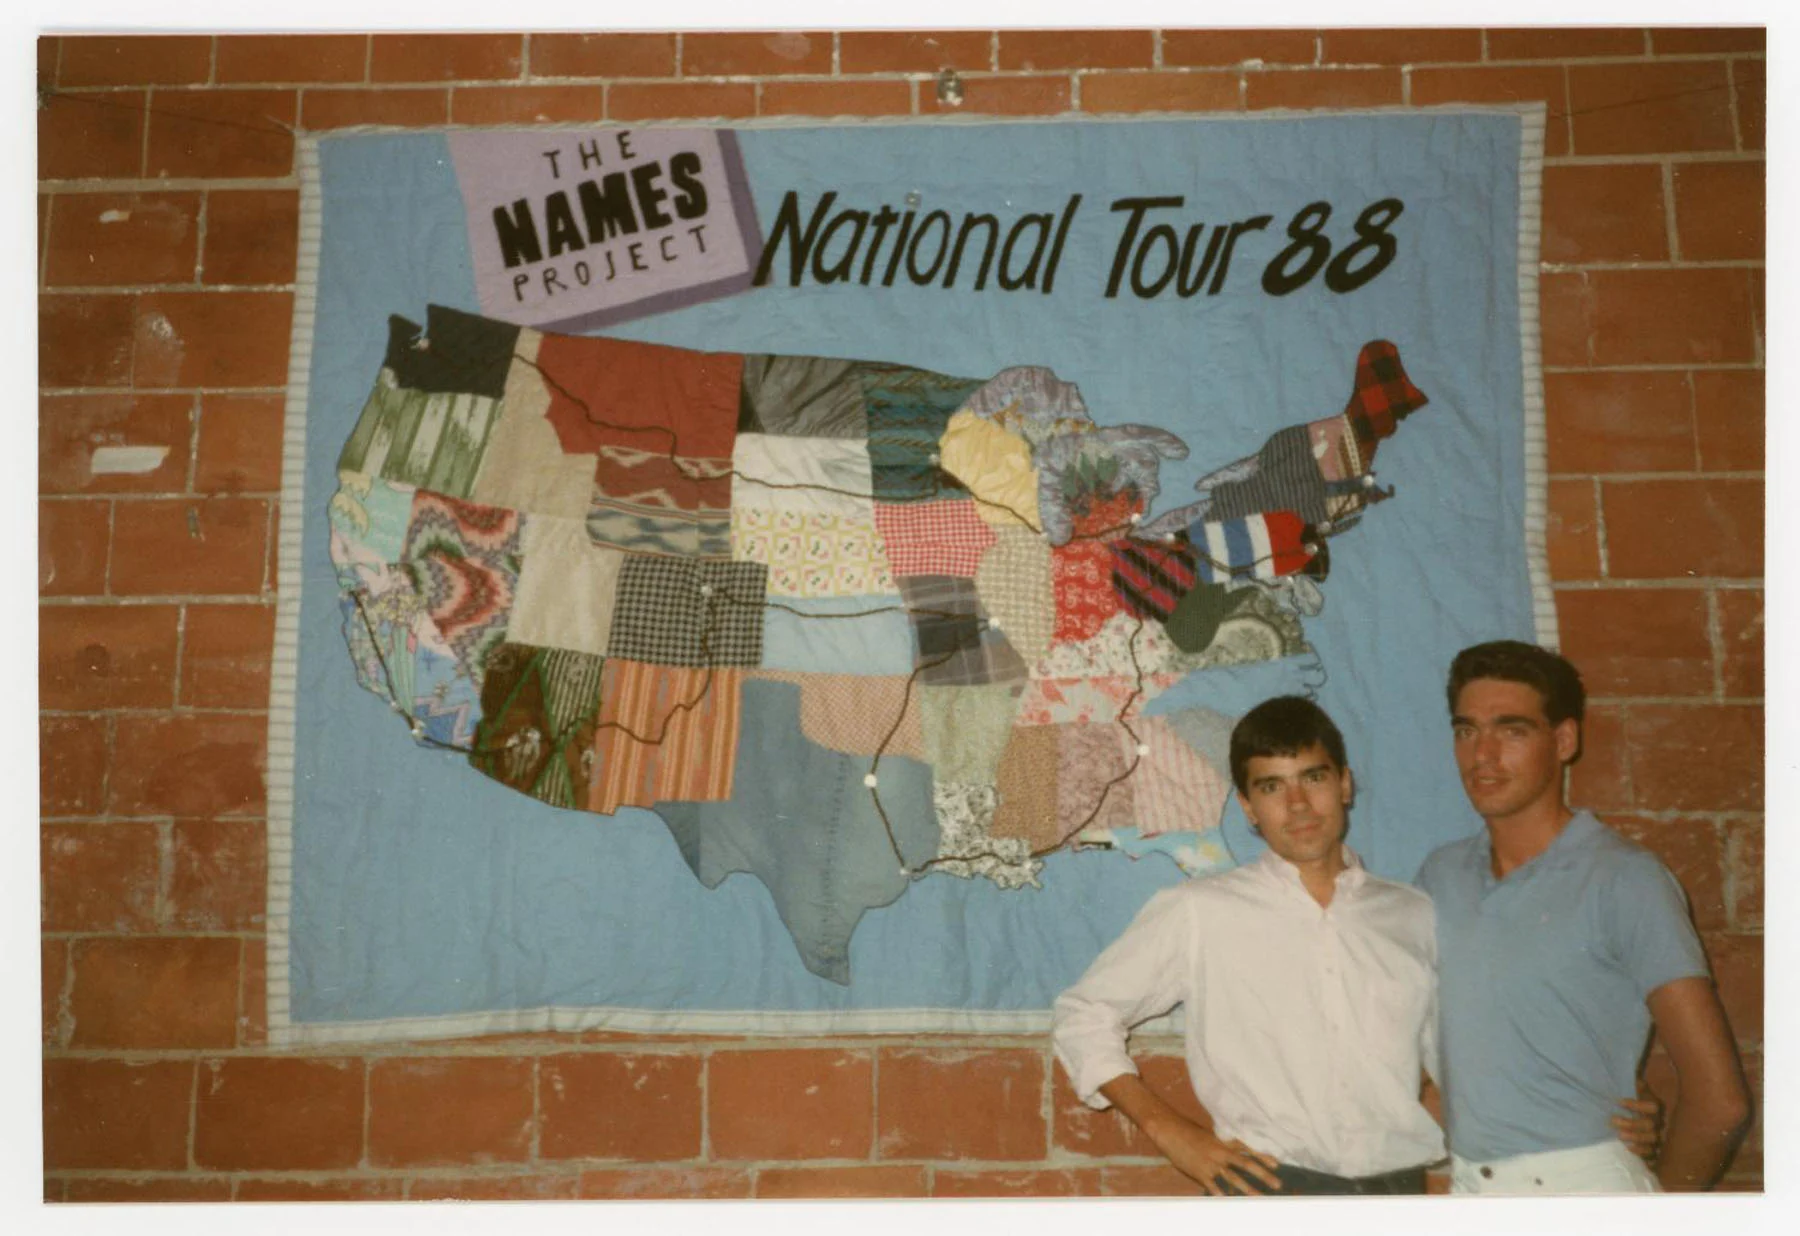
[[1559, 944]]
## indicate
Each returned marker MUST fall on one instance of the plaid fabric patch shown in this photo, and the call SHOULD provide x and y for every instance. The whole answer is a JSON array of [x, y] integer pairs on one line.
[[933, 538], [677, 611], [1383, 396], [908, 410], [1151, 579], [952, 641]]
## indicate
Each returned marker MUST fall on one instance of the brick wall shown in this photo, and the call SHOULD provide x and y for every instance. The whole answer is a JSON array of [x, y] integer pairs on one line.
[[166, 235]]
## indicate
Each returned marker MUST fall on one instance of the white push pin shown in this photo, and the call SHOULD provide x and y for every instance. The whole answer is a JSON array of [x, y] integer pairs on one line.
[[993, 624], [1368, 481], [418, 731], [1143, 748], [396, 705], [869, 780], [1169, 537], [932, 458], [705, 590], [1135, 517]]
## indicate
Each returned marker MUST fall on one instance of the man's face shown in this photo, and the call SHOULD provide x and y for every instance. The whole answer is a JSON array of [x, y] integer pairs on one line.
[[1511, 758], [1298, 802]]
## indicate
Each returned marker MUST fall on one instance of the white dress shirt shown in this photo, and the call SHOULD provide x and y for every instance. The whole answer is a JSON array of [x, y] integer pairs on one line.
[[1306, 1026]]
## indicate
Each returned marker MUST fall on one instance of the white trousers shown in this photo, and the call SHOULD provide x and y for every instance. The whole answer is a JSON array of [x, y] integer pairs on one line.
[[1604, 1167]]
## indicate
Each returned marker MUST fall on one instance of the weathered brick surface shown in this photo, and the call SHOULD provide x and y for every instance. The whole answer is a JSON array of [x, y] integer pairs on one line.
[[71, 765], [1160, 92], [279, 1114], [762, 54], [449, 1110], [171, 547], [1040, 50], [104, 656], [1610, 421], [218, 875], [1602, 212], [74, 540], [602, 55], [912, 51], [1638, 641], [643, 1107], [118, 1114], [99, 877], [189, 764], [799, 1104], [830, 1182], [115, 239], [1312, 88], [151, 992], [984, 1105], [72, 427]]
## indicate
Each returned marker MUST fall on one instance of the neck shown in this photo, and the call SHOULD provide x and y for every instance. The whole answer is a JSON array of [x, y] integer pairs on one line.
[[1518, 838], [1319, 877]]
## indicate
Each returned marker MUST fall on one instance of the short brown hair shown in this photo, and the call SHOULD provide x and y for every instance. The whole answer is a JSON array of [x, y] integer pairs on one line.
[[1555, 678], [1285, 725]]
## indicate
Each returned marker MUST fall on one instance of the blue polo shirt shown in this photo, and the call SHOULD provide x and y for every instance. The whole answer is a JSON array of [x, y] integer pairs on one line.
[[1542, 979]]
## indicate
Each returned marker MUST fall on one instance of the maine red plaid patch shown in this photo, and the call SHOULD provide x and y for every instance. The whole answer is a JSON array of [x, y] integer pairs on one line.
[[1383, 396]]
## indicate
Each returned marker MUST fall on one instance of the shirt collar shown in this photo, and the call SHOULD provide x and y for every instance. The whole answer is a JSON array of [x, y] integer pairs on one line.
[[1577, 836], [1278, 869]]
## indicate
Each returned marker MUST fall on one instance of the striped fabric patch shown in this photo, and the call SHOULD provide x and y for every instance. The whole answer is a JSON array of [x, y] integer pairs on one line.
[[689, 730], [1151, 579], [1264, 546]]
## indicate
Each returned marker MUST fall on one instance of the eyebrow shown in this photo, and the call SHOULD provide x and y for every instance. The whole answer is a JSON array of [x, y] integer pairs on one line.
[[1511, 718], [1272, 779]]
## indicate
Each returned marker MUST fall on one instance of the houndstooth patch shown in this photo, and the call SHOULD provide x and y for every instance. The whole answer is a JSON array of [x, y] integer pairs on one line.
[[678, 611]]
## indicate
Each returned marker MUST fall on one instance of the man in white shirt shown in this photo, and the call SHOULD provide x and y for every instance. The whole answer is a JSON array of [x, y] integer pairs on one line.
[[1308, 988]]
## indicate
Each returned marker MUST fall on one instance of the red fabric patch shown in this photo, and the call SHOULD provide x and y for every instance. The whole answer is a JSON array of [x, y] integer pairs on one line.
[[1081, 577], [668, 401], [933, 538]]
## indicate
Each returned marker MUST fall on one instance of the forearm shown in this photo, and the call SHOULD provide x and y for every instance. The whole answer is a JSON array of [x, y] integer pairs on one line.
[[1700, 1142], [1142, 1106]]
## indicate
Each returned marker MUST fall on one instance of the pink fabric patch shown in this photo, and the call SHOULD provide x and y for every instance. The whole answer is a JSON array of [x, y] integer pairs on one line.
[[946, 537]]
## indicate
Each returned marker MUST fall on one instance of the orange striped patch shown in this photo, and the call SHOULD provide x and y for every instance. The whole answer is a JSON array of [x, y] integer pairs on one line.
[[664, 734]]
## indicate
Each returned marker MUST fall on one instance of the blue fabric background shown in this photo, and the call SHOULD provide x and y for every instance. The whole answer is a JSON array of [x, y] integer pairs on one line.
[[423, 888]]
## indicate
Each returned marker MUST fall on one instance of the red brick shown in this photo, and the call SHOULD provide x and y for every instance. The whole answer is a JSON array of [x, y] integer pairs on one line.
[[1661, 317], [1079, 1128], [49, 53], [107, 1113], [1364, 45], [1737, 964], [1564, 42], [279, 1114], [212, 338], [155, 992], [343, 107], [1234, 47], [605, 1106], [759, 54], [342, 1189], [1729, 419], [1168, 92], [71, 765], [825, 1182], [1744, 865], [1741, 635], [515, 1188], [221, 133], [527, 104], [53, 976], [679, 100], [913, 51], [73, 538], [251, 236], [836, 98], [1310, 88], [84, 340], [1691, 850], [1610, 421], [1696, 757], [253, 1013], [1650, 108], [218, 878], [1048, 50], [1502, 84], [206, 545], [70, 427], [790, 1104], [602, 55], [1567, 307], [240, 444], [1638, 641], [1668, 529], [226, 652], [1571, 531], [1604, 212], [446, 1110], [1719, 211], [1601, 778], [665, 1182], [1161, 1180], [91, 136], [98, 877], [1701, 40], [291, 59], [189, 764], [135, 60], [158, 1189], [1006, 96], [960, 1104], [1060, 1182], [107, 656], [445, 57], [115, 239], [1749, 86]]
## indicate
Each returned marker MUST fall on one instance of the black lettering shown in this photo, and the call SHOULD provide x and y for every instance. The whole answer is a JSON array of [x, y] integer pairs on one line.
[[559, 219], [684, 171], [517, 233], [582, 273], [636, 252], [912, 254], [519, 282], [1012, 283], [1184, 285], [650, 195], [1163, 234], [1371, 233], [606, 206], [987, 253], [698, 232], [1062, 234], [552, 281], [625, 144], [664, 247], [611, 271], [590, 154], [1237, 229], [840, 269], [1137, 206], [787, 225], [906, 222], [1311, 248], [555, 172]]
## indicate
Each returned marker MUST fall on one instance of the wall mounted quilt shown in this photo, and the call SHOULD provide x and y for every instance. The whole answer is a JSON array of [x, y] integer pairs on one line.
[[802, 577]]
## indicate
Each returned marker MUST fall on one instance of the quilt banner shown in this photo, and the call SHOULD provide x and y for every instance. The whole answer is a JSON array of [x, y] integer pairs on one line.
[[803, 577]]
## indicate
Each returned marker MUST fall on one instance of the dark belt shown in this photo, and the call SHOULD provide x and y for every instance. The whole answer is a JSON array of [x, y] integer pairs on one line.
[[1304, 1182]]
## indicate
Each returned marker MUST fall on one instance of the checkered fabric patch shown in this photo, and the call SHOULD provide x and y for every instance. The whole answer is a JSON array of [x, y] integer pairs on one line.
[[677, 611], [952, 639], [933, 538], [1383, 395]]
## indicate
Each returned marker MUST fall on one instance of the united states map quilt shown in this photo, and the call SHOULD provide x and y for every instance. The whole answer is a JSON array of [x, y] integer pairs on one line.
[[804, 577]]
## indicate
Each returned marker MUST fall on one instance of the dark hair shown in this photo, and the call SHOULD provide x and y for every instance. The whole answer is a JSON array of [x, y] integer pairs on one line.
[[1285, 725], [1557, 682]]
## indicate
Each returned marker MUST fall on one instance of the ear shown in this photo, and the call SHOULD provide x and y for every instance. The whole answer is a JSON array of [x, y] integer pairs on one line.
[[1568, 739], [1349, 790], [1244, 805]]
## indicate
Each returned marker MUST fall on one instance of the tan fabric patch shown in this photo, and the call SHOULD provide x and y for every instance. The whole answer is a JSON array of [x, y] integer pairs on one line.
[[852, 713], [524, 466], [1026, 781]]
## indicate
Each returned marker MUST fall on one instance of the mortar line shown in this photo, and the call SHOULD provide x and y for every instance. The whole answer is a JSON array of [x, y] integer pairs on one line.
[[1600, 526], [193, 1122], [1672, 232]]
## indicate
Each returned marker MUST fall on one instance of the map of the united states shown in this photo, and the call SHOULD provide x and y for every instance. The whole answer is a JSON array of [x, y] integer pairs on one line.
[[841, 624]]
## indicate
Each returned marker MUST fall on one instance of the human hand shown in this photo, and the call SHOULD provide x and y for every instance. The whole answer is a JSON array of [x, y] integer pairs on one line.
[[1639, 1126], [1221, 1168]]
